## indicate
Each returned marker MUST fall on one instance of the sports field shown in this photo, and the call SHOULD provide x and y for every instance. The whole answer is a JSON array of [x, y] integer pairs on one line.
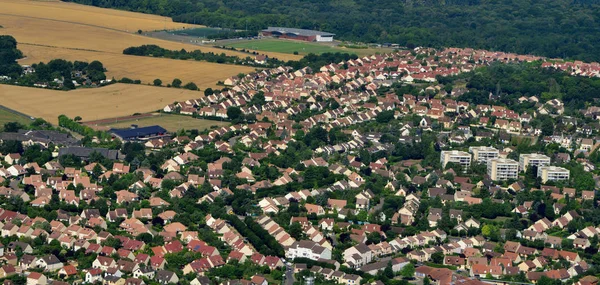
[[170, 122], [91, 103], [303, 48]]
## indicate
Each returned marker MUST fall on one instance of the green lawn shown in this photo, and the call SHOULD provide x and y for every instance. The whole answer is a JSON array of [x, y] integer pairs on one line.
[[285, 46], [7, 116], [170, 122], [303, 48]]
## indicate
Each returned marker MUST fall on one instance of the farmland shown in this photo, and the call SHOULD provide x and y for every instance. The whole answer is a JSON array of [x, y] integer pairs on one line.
[[88, 15], [170, 122], [93, 103], [303, 48], [76, 32]]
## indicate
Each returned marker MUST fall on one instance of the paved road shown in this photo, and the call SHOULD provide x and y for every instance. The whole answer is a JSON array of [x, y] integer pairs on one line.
[[289, 275]]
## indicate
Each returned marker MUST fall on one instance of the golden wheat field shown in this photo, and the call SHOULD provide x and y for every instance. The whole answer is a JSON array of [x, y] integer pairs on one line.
[[91, 104], [90, 28], [65, 34], [71, 12]]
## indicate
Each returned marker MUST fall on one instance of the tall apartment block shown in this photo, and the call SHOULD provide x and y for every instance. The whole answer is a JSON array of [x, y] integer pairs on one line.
[[456, 156], [532, 159], [552, 173], [482, 154], [502, 169]]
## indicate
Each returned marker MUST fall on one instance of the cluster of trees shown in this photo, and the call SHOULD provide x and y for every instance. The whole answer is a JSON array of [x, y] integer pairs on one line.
[[8, 57], [258, 237], [156, 51], [63, 69], [508, 82], [47, 72], [563, 28], [316, 61]]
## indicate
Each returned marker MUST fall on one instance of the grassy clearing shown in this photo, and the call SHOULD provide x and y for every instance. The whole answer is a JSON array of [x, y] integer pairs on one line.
[[7, 116], [303, 48], [170, 122]]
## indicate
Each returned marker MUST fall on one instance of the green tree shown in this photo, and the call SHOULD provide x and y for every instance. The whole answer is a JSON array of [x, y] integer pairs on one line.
[[176, 83], [13, 127], [234, 113], [191, 86], [157, 82], [408, 271]]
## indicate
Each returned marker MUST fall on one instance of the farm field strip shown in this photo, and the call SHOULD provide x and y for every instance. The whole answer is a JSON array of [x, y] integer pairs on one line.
[[94, 16], [91, 103]]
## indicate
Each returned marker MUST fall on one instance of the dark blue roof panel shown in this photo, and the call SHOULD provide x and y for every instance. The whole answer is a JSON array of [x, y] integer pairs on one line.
[[138, 132]]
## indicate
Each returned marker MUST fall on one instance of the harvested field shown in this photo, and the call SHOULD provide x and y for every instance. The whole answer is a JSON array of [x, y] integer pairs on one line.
[[89, 15], [170, 122], [91, 104], [43, 36]]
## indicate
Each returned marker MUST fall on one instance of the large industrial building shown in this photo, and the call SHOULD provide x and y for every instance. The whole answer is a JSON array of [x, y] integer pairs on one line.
[[298, 34], [139, 134]]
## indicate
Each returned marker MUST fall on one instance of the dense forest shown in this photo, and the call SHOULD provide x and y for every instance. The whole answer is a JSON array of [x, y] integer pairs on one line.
[[8, 57], [508, 82], [552, 28]]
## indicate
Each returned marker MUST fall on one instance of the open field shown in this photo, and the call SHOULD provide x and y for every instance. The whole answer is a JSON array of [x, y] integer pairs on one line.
[[64, 33], [74, 26], [291, 46], [7, 116], [89, 15], [91, 104], [170, 122]]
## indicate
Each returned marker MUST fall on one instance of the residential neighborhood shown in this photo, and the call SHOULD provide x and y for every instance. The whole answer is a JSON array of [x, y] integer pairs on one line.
[[385, 169]]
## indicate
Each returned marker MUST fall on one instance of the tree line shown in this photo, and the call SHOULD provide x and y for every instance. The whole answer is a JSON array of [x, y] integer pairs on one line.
[[156, 51], [553, 28]]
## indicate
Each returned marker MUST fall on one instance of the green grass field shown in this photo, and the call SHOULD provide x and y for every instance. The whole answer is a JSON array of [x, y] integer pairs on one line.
[[289, 46], [7, 116], [171, 123], [202, 32]]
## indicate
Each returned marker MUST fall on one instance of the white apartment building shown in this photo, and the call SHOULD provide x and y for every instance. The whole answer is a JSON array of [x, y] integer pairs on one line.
[[456, 156], [502, 169], [482, 154], [308, 249], [553, 173], [532, 159]]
